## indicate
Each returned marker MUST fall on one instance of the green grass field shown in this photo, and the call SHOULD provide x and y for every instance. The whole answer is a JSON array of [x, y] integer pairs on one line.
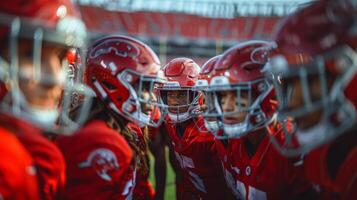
[[170, 178]]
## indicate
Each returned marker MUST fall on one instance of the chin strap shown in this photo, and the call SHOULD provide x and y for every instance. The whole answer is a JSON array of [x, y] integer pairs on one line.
[[179, 117], [235, 130]]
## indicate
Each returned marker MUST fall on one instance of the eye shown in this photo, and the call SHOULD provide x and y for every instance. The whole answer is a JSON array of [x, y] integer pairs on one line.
[[243, 103], [168, 94], [182, 95]]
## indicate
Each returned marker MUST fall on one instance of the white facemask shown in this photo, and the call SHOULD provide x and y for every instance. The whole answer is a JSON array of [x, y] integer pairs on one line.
[[41, 117], [313, 135], [44, 118], [141, 118], [235, 129], [211, 126], [179, 117]]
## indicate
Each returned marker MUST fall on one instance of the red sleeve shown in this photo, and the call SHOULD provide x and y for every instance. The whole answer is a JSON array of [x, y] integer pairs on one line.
[[17, 175], [98, 162], [347, 177], [49, 163], [300, 187], [143, 190]]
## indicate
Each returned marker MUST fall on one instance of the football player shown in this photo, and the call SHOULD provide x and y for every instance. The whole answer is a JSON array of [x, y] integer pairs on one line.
[[35, 37], [106, 158], [17, 173], [199, 170], [244, 104], [212, 123], [317, 66]]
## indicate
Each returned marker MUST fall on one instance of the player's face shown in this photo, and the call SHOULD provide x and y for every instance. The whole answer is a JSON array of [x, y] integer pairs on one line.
[[43, 88], [148, 96], [294, 87], [232, 108], [177, 100]]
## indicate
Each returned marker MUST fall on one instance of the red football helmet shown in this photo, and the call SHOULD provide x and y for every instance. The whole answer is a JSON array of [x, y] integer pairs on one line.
[[317, 73], [238, 73], [181, 75], [28, 30], [124, 73], [210, 124], [206, 70]]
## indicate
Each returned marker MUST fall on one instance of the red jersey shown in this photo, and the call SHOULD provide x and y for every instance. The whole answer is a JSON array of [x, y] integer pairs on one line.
[[18, 179], [222, 152], [332, 168], [48, 160], [266, 174], [201, 170], [143, 189], [98, 163]]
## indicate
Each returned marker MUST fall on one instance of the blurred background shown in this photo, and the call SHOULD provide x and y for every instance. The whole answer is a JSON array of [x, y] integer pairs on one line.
[[198, 29]]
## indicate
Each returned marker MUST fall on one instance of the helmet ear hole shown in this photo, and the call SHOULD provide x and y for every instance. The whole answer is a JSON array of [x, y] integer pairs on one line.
[[109, 86]]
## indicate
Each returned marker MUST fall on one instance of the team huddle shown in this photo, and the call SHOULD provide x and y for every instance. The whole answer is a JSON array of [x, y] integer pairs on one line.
[[263, 120]]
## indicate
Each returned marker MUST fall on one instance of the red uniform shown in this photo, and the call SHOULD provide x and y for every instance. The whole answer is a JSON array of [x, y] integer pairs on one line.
[[98, 163], [48, 160], [265, 175], [221, 150], [18, 179], [332, 168], [201, 170]]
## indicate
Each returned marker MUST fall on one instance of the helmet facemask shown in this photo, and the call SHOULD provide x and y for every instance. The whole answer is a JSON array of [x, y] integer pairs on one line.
[[205, 105], [143, 105], [311, 96], [181, 102], [237, 107], [36, 75]]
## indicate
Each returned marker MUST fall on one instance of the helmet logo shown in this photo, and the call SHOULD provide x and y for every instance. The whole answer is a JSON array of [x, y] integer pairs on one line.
[[120, 47], [260, 55], [103, 161]]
